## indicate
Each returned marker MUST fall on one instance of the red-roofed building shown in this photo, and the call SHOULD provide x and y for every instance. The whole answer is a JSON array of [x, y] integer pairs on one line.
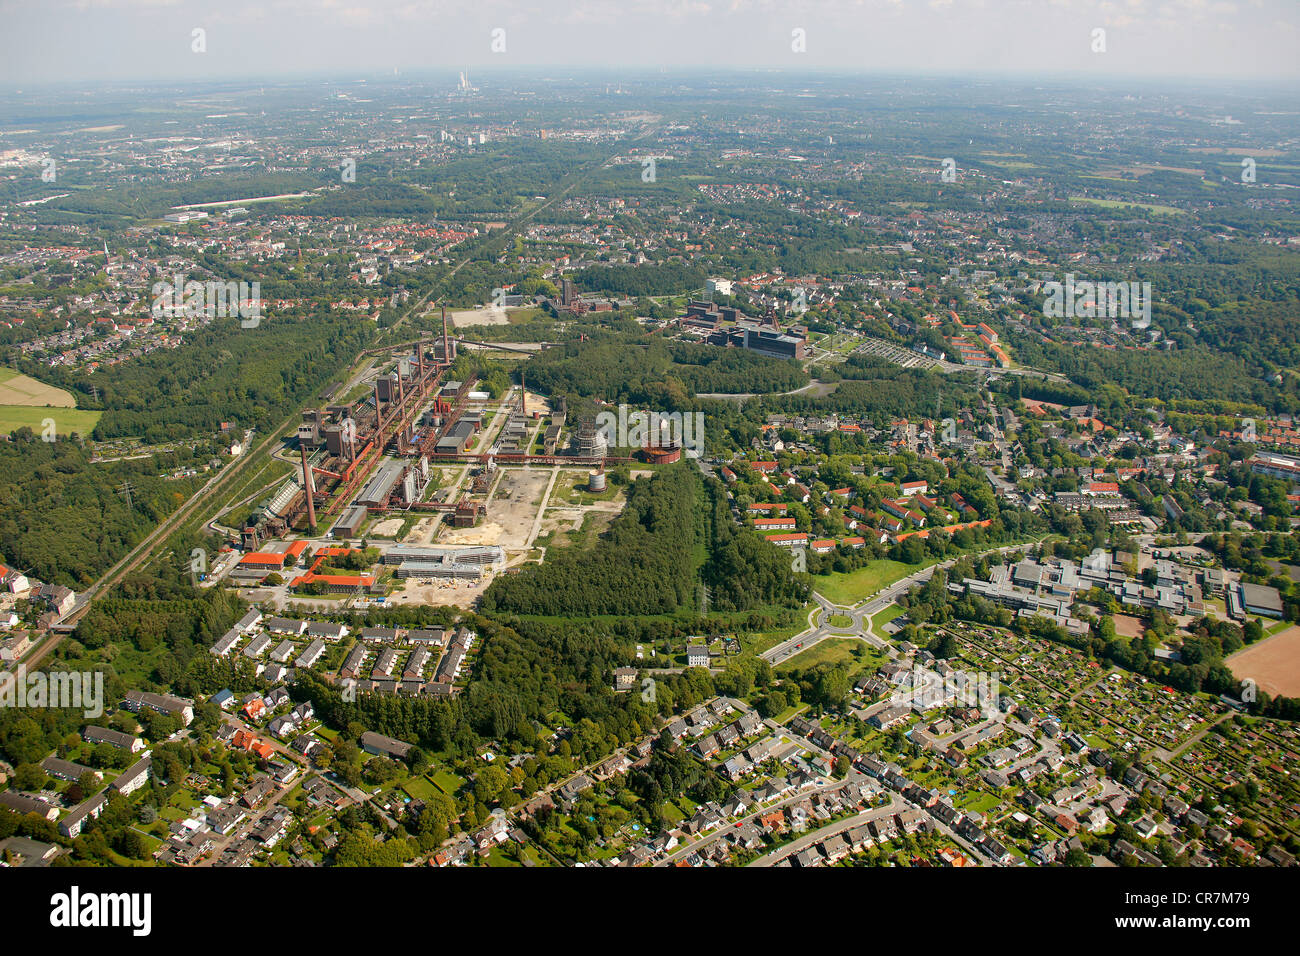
[[334, 582], [295, 550], [787, 540], [259, 559], [1101, 488]]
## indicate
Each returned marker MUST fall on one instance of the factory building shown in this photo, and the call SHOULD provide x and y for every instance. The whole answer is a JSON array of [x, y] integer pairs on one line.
[[309, 431], [349, 524], [453, 443], [380, 487]]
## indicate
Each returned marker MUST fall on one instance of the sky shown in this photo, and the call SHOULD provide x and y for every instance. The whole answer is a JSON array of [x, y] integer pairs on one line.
[[72, 41]]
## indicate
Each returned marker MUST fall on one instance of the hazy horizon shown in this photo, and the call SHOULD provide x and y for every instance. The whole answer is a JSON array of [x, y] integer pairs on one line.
[[153, 41]]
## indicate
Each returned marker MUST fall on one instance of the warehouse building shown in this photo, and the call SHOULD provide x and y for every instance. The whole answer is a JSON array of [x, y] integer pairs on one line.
[[380, 487], [1259, 599], [349, 524], [453, 443]]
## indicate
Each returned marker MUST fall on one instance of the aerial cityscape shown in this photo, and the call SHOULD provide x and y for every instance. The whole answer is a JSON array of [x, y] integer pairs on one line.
[[564, 464]]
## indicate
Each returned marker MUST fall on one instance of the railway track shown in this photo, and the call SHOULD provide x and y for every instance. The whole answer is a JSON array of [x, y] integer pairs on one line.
[[146, 549]]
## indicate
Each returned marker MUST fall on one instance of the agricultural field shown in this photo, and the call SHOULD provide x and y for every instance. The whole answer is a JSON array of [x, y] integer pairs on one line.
[[26, 402]]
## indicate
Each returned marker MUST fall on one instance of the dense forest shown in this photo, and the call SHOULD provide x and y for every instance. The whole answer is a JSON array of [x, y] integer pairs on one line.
[[659, 374], [64, 519], [881, 392], [646, 563], [252, 378]]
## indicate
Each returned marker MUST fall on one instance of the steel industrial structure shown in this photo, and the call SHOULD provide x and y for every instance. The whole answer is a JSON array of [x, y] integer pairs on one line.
[[360, 436]]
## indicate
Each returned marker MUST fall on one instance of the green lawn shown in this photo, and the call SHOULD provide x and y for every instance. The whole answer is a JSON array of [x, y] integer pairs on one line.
[[760, 641], [66, 420], [852, 653], [842, 621], [1118, 204], [978, 802], [789, 713], [419, 788], [497, 857], [447, 782], [672, 815], [855, 586], [884, 617]]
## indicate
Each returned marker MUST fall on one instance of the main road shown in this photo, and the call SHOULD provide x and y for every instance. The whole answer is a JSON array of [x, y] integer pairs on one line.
[[861, 613]]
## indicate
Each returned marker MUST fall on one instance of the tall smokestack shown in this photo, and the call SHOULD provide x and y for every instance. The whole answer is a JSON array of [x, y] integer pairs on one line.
[[446, 348], [310, 489], [420, 357], [379, 415], [523, 395]]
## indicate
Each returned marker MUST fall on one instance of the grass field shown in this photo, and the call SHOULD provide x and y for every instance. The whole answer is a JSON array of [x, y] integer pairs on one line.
[[26, 402], [850, 588], [67, 421], [419, 788], [1156, 208], [761, 641], [447, 782], [884, 617], [853, 654]]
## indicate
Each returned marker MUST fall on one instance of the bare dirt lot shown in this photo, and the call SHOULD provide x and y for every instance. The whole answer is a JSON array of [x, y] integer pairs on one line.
[[562, 519], [489, 315], [1126, 626], [440, 593], [511, 512], [1273, 664]]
